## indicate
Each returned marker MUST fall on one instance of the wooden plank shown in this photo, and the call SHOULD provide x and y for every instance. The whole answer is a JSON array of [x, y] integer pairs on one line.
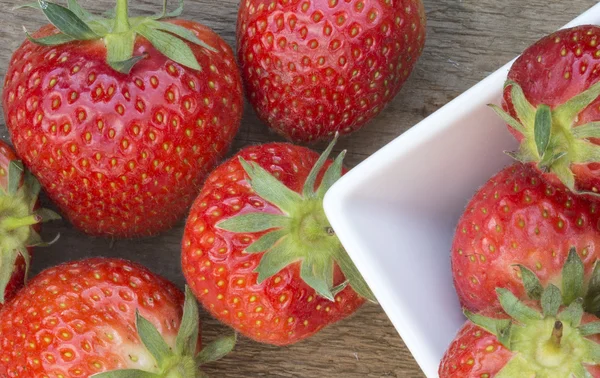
[[467, 39]]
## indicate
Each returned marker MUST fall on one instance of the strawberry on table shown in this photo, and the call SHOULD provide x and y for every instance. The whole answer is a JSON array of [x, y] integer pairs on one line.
[[121, 118], [517, 218], [20, 216], [312, 68], [107, 318], [552, 107], [540, 337], [259, 252]]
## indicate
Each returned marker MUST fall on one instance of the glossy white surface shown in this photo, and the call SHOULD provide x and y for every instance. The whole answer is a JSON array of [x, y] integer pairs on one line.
[[396, 212]]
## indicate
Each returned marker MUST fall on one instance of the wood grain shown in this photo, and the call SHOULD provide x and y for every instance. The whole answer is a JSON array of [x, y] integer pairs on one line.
[[467, 40]]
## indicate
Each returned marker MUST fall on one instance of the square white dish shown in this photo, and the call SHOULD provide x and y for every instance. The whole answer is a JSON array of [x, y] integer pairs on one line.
[[396, 212]]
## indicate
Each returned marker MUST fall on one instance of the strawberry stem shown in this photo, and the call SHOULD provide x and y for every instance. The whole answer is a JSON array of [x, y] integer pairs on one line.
[[119, 34], [185, 367], [314, 226], [557, 333], [121, 17]]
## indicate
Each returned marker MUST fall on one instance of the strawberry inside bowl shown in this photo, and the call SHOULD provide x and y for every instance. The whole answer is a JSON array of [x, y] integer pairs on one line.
[[396, 212]]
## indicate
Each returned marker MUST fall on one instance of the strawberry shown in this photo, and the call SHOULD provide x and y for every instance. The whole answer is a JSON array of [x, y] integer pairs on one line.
[[20, 217], [259, 252], [551, 105], [121, 119], [100, 316], [517, 218], [312, 68], [519, 340]]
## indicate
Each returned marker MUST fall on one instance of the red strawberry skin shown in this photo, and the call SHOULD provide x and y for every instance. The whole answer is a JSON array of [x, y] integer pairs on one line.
[[78, 319], [7, 155], [282, 309], [17, 279], [121, 155], [312, 68], [476, 353], [552, 71], [519, 218]]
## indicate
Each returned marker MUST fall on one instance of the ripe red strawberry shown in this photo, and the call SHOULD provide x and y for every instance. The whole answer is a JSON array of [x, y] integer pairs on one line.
[[122, 153], [519, 340], [259, 252], [551, 97], [19, 220], [477, 353], [519, 218], [102, 315], [312, 68]]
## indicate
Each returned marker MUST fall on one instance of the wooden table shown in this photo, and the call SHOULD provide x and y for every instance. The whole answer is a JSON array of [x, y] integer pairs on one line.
[[467, 40]]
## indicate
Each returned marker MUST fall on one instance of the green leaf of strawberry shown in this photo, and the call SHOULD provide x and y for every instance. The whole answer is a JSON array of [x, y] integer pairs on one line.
[[589, 130], [15, 175], [532, 284], [542, 129], [499, 327], [271, 189], [551, 300], [119, 33], [19, 214], [52, 40], [590, 329], [187, 337], [67, 22], [179, 31], [592, 299], [172, 47], [152, 339], [515, 308], [255, 222], [182, 361], [74, 7], [216, 350], [302, 218], [572, 278], [553, 343], [573, 313]]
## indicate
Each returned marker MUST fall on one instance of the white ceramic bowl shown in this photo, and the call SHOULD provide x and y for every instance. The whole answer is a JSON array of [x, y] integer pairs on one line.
[[396, 212]]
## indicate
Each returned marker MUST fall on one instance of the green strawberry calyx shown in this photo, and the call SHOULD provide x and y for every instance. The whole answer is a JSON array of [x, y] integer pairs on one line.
[[18, 215], [550, 343], [180, 361], [551, 138], [119, 31], [301, 232]]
